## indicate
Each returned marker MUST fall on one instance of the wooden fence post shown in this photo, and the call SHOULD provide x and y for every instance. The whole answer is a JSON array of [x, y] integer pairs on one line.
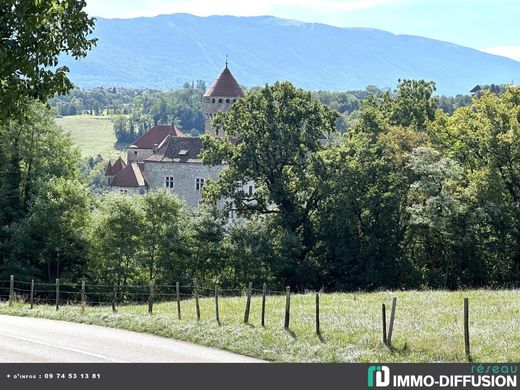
[[11, 290], [82, 296], [248, 303], [197, 307], [264, 291], [383, 310], [391, 325], [57, 294], [114, 298], [318, 314], [287, 306], [178, 300], [152, 296], [32, 293], [466, 328], [217, 317]]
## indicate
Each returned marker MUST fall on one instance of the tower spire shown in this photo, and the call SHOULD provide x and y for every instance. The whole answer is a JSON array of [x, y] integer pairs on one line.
[[226, 60]]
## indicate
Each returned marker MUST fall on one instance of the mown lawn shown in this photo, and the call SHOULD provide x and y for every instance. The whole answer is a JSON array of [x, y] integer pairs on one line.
[[428, 325], [93, 135]]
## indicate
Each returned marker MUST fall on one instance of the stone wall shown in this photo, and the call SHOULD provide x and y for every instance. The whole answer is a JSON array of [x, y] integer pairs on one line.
[[128, 190], [184, 178], [137, 155], [212, 106]]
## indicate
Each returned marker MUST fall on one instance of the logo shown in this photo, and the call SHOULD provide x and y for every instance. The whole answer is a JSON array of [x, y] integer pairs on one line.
[[381, 374]]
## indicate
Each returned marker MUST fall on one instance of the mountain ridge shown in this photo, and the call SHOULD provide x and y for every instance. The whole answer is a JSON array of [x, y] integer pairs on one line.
[[165, 51]]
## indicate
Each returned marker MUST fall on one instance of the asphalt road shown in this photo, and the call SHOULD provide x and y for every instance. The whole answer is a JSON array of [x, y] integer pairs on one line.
[[27, 340]]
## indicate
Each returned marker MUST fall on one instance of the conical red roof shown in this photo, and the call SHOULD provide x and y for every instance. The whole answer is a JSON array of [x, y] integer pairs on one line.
[[225, 85]]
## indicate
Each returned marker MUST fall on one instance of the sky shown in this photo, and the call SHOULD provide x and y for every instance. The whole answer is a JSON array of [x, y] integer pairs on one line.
[[489, 25]]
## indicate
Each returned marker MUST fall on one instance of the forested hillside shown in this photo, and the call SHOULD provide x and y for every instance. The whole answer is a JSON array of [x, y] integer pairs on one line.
[[168, 50]]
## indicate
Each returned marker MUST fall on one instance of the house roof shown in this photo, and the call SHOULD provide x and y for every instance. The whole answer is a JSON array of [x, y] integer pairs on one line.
[[225, 85], [129, 176], [108, 171], [118, 165], [156, 135], [178, 149]]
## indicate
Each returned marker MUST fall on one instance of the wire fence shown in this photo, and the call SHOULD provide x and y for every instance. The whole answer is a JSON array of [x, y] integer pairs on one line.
[[117, 295]]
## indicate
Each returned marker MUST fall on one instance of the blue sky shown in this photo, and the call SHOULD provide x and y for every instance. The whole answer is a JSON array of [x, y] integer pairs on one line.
[[489, 25]]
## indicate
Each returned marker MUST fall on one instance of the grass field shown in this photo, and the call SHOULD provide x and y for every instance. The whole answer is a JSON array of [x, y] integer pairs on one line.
[[93, 135], [428, 326]]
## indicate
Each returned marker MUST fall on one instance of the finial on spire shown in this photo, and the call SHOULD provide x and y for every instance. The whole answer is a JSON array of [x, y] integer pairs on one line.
[[226, 60]]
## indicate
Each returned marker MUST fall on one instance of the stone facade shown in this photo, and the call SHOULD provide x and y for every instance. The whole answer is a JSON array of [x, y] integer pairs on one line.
[[180, 178], [212, 106], [164, 158], [138, 155]]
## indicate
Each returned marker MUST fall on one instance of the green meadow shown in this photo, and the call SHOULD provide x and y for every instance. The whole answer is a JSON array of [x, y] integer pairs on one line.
[[428, 325], [93, 135]]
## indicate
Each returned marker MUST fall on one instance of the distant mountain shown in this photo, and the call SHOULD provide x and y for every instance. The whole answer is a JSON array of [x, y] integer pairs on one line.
[[168, 50]]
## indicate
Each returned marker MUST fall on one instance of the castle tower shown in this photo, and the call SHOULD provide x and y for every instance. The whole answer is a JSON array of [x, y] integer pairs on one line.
[[221, 94]]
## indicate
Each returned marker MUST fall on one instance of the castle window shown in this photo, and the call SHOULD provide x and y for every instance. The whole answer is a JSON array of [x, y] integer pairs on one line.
[[169, 182], [250, 191], [199, 183], [220, 100], [234, 100], [122, 191], [227, 100], [212, 100]]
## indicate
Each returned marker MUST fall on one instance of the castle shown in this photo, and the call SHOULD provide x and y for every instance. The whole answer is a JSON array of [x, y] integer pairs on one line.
[[164, 157]]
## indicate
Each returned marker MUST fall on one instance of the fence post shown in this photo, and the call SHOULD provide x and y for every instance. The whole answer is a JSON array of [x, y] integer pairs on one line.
[[82, 296], [287, 306], [217, 317], [197, 307], [32, 293], [178, 300], [151, 298], [114, 298], [248, 303], [57, 294], [391, 325], [383, 310], [318, 314], [11, 290], [466, 328], [264, 291]]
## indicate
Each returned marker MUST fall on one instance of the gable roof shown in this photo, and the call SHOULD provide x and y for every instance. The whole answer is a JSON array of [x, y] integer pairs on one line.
[[225, 85], [156, 135], [178, 149], [108, 171], [118, 165], [129, 176]]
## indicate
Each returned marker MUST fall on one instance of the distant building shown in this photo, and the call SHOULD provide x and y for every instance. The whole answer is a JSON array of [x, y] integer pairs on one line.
[[164, 157]]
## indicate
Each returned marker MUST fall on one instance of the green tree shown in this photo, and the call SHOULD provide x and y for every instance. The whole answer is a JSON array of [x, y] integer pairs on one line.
[[115, 238], [163, 236], [33, 34], [52, 239], [278, 131]]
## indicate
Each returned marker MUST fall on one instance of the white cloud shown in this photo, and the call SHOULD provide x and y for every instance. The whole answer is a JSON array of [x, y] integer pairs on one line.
[[512, 52]]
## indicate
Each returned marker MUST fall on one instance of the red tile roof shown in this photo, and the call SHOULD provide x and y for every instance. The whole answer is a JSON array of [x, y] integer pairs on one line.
[[156, 135], [118, 165], [108, 171], [225, 85], [178, 149], [129, 176]]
